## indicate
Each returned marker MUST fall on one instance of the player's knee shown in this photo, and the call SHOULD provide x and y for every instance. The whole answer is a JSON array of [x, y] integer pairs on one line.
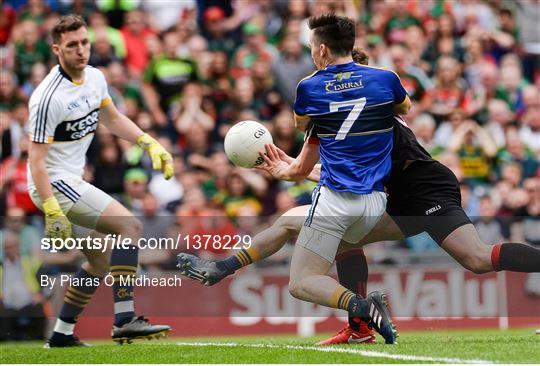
[[130, 227], [99, 266], [295, 288], [289, 223], [478, 262]]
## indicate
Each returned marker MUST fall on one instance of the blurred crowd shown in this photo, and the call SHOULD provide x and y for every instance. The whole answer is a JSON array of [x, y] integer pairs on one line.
[[185, 71]]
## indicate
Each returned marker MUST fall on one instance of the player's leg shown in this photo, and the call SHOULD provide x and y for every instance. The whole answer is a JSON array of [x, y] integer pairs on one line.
[[82, 287], [116, 219], [466, 247], [352, 270], [84, 282], [452, 229], [333, 216], [263, 245]]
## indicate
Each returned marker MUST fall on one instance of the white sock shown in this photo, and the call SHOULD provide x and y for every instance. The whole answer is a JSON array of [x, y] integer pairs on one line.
[[63, 327], [124, 307]]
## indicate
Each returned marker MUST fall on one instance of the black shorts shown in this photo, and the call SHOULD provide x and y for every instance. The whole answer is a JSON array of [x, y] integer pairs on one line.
[[426, 197]]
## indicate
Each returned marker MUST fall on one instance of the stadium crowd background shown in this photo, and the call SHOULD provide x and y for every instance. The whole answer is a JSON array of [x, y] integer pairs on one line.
[[185, 71]]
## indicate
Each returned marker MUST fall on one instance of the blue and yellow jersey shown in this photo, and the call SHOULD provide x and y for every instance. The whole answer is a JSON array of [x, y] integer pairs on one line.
[[351, 113]]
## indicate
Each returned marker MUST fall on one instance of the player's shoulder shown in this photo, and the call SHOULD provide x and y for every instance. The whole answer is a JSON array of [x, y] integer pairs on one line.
[[310, 79], [379, 72], [48, 85], [94, 73]]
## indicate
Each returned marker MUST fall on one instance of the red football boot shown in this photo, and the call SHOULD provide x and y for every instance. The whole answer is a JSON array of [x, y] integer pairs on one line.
[[349, 336]]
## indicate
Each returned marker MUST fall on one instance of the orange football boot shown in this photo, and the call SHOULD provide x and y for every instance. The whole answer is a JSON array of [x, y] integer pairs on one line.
[[349, 336]]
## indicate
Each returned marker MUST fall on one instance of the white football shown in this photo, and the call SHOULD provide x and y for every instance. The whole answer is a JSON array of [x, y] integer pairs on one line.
[[244, 141]]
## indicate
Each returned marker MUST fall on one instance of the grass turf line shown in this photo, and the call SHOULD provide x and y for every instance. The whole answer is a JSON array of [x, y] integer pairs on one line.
[[514, 346]]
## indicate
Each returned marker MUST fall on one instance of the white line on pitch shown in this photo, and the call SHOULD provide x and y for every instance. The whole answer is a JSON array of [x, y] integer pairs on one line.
[[338, 350]]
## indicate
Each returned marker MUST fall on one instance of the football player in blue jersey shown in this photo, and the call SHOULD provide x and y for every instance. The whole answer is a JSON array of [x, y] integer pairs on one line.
[[347, 111]]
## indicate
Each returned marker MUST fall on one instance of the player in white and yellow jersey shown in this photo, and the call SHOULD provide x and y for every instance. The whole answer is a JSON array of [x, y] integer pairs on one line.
[[64, 113]]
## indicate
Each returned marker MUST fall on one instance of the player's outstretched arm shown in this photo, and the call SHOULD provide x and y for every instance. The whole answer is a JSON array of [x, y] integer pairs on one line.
[[125, 128], [56, 223]]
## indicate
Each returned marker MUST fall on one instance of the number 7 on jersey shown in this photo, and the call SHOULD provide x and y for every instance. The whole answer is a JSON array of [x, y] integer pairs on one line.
[[358, 106]]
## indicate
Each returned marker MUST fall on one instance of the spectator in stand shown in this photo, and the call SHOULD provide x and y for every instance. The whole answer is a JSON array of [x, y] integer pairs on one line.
[[528, 216], [469, 201], [109, 169], [476, 149], [265, 91], [155, 224], [15, 130], [135, 32], [290, 67], [99, 25], [445, 39], [15, 221], [217, 29], [285, 136], [424, 129], [165, 77], [169, 193], [448, 127], [530, 130], [511, 87], [489, 228], [34, 10], [103, 53], [517, 152], [10, 94], [14, 182], [415, 44], [30, 49], [476, 59], [192, 110], [244, 187], [478, 96], [7, 21], [21, 303], [132, 98], [414, 80], [255, 48], [396, 28], [500, 117], [378, 53], [448, 93], [135, 188], [37, 74]]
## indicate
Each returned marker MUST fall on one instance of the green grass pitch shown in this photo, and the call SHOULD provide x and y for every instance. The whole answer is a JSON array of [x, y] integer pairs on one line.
[[485, 346]]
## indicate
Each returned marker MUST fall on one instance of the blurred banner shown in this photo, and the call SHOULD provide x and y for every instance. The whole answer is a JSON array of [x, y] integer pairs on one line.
[[251, 303]]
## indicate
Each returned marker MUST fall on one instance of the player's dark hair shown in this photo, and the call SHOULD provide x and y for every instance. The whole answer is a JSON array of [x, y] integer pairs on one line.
[[360, 56], [336, 32], [67, 23]]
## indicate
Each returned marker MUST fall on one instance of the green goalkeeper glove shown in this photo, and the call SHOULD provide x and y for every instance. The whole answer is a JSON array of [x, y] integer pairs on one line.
[[57, 224], [161, 159]]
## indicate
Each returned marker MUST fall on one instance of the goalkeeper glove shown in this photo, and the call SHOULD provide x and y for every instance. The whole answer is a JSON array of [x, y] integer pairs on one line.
[[161, 159], [57, 224]]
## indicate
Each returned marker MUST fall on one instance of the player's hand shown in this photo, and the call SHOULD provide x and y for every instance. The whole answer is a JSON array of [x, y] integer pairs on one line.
[[57, 224], [161, 159], [274, 165], [283, 156]]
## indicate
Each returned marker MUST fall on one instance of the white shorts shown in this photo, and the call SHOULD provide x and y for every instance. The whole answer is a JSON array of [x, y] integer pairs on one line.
[[81, 202], [336, 216]]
